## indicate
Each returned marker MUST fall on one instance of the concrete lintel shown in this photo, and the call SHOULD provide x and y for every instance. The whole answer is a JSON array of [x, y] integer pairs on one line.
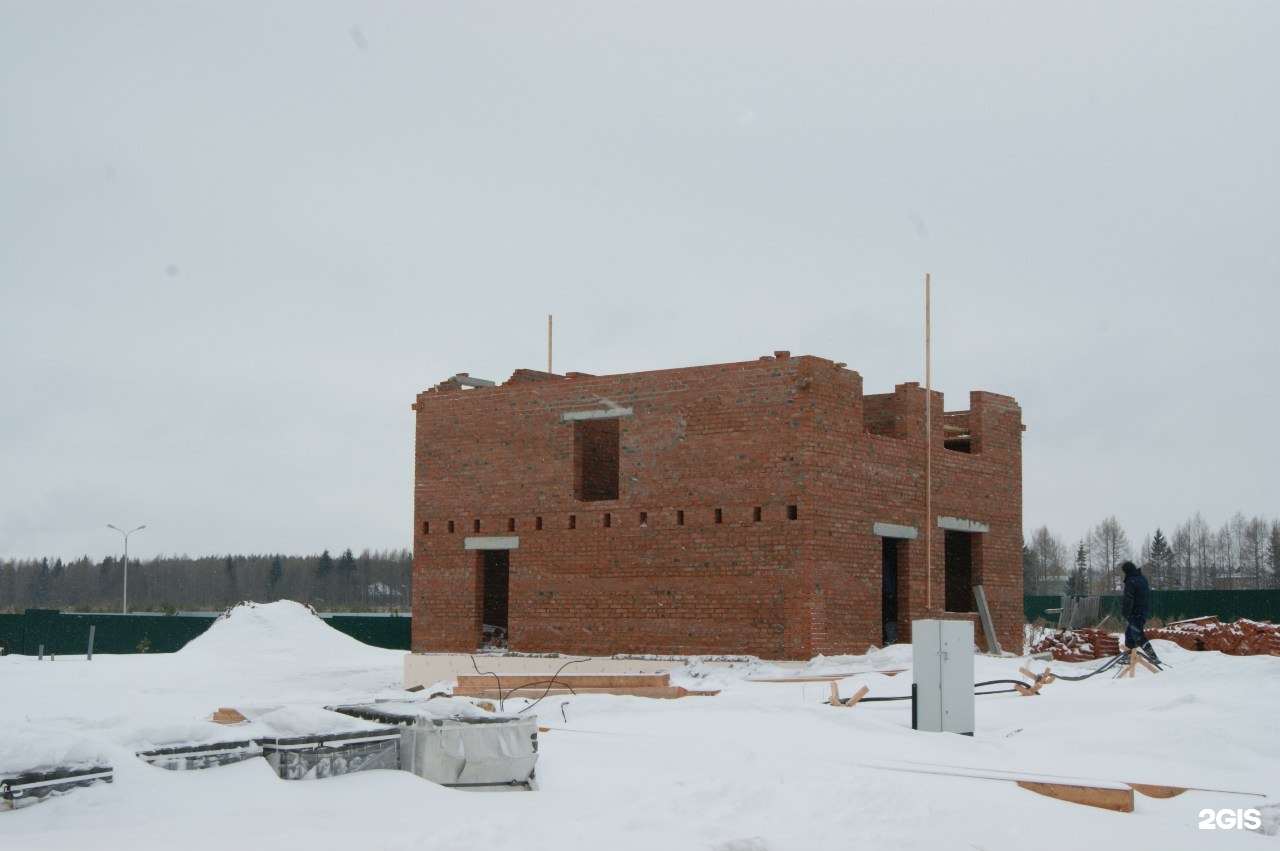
[[960, 524], [891, 530], [468, 381], [598, 414], [492, 542]]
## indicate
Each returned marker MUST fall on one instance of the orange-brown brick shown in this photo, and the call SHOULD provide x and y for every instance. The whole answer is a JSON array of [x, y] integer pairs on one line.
[[776, 438]]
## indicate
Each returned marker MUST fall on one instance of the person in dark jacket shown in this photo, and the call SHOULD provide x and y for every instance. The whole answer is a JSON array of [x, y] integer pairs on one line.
[[1136, 607]]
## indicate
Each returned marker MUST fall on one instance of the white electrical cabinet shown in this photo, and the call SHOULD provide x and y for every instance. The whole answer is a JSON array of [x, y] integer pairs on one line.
[[942, 670]]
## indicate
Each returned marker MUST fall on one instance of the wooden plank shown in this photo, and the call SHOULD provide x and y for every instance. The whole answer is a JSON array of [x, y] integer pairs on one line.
[[661, 692], [573, 680], [822, 678], [226, 715], [1154, 791], [835, 700], [1119, 800], [988, 628]]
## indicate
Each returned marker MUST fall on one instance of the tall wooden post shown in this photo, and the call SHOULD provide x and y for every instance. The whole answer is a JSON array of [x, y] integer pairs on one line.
[[928, 455]]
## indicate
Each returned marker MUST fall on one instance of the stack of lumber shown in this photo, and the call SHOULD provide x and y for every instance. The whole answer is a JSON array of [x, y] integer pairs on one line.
[[538, 685]]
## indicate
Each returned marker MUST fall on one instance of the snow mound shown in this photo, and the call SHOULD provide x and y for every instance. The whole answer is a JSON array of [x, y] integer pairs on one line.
[[282, 629], [289, 721]]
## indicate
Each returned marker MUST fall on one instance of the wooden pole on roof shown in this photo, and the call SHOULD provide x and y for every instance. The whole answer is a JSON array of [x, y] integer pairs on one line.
[[928, 456], [548, 342]]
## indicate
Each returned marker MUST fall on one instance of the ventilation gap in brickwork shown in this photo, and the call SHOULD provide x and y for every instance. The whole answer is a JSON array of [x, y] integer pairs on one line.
[[537, 523], [573, 521], [511, 524], [475, 526], [450, 527], [793, 512], [755, 514], [426, 527], [680, 518], [608, 520], [719, 515], [644, 518]]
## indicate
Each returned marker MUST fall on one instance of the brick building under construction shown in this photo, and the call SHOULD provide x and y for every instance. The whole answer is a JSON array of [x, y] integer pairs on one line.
[[766, 507]]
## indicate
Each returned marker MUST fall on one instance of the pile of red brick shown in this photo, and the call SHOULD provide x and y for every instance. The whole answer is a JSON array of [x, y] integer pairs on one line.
[[1242, 638], [1079, 645]]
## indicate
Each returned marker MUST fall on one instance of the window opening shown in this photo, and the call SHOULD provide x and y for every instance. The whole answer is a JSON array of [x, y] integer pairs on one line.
[[537, 523], [450, 527], [573, 521], [793, 512], [476, 526], [719, 515], [426, 527], [511, 524], [680, 517], [755, 514], [608, 520], [595, 459], [644, 518]]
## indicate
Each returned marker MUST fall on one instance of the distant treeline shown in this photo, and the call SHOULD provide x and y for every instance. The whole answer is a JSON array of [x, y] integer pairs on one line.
[[368, 582], [1243, 553]]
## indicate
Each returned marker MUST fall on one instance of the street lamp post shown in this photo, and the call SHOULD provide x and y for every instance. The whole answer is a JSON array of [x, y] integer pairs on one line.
[[124, 603]]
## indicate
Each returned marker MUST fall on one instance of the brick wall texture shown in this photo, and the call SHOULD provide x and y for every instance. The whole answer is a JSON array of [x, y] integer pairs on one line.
[[730, 509]]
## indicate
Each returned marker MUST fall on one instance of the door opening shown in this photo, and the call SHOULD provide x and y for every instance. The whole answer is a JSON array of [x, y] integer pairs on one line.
[[496, 567], [889, 591], [958, 565]]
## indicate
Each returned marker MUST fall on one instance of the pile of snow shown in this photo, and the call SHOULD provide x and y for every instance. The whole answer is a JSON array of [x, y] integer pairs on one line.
[[279, 663], [282, 629]]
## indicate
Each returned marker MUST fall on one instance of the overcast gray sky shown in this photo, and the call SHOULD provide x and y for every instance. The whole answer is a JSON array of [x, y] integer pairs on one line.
[[237, 239]]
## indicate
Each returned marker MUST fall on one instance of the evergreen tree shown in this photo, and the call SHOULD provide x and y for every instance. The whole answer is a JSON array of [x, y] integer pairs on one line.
[[347, 564], [274, 573], [1162, 564], [229, 575]]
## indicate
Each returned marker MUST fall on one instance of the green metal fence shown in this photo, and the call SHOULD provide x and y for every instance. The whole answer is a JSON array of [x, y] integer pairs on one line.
[[1176, 605], [67, 634]]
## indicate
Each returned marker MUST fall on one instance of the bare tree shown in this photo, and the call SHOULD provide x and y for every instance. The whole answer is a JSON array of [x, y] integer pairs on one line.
[[1252, 545], [1047, 560], [1108, 547]]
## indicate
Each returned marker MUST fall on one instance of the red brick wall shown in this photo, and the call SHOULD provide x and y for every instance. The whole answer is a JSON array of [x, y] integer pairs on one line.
[[773, 439]]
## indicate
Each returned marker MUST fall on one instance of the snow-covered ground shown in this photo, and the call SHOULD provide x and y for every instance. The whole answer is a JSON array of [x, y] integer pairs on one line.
[[760, 767]]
